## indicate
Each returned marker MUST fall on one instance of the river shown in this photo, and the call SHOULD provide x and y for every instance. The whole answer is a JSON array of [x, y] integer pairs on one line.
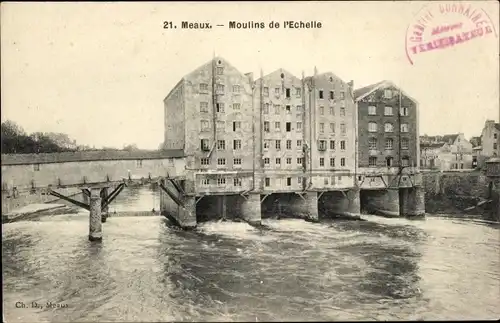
[[147, 270]]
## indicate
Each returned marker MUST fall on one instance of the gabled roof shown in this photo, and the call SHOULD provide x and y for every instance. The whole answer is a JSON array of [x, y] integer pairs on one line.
[[201, 67], [361, 93], [330, 74], [276, 71]]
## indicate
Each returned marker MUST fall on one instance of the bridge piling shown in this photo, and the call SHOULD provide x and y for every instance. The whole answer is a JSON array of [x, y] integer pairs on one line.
[[95, 224], [105, 209]]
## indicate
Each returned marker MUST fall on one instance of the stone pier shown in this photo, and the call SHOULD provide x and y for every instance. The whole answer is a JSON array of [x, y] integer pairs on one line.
[[95, 224], [184, 214], [304, 205], [105, 210], [383, 202], [250, 209], [343, 203], [412, 201]]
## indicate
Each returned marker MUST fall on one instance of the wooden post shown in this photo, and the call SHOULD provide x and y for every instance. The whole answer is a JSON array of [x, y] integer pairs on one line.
[[95, 225]]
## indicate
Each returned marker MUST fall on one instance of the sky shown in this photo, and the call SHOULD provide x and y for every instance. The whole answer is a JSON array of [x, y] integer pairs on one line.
[[100, 71]]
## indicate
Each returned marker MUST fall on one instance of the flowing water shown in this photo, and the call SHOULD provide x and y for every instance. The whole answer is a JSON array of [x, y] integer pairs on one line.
[[147, 270]]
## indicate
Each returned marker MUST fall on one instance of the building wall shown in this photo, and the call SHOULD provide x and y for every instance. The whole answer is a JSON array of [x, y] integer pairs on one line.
[[278, 109], [70, 173], [174, 118], [377, 99], [220, 121], [488, 140], [331, 120]]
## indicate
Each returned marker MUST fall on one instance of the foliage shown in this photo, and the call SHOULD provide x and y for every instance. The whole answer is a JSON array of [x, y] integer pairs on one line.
[[16, 141]]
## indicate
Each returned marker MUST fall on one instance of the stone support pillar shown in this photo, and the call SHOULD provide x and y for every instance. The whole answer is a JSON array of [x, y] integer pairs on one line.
[[250, 209], [104, 195], [95, 225]]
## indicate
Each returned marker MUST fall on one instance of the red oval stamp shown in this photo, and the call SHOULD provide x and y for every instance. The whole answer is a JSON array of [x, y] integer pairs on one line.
[[443, 25]]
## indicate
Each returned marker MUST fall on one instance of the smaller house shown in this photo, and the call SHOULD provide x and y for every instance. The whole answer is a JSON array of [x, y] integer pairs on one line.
[[448, 152]]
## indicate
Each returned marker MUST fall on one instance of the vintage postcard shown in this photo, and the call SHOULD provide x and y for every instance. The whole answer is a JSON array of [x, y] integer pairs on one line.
[[250, 161]]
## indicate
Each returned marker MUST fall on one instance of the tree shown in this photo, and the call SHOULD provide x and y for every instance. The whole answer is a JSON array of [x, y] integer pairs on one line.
[[131, 147], [16, 141]]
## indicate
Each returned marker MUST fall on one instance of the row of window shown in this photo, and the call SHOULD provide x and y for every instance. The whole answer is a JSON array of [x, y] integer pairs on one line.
[[300, 180], [277, 126], [389, 161], [331, 96], [277, 144], [288, 109], [277, 90], [220, 161], [388, 127], [322, 144], [221, 125], [389, 143], [388, 111], [286, 91], [298, 128], [220, 108], [138, 164], [220, 88], [300, 161], [221, 181]]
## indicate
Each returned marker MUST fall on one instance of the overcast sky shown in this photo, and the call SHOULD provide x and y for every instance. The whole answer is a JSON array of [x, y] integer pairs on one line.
[[99, 71]]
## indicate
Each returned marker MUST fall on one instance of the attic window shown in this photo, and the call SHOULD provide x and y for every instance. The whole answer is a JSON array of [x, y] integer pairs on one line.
[[282, 75], [219, 62], [388, 94], [331, 79]]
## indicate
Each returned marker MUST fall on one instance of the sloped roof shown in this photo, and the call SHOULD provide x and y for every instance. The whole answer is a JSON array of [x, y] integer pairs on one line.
[[364, 91], [201, 67], [276, 71], [497, 126], [367, 89], [89, 155]]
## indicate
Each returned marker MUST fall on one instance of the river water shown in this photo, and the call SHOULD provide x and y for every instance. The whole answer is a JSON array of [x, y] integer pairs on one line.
[[147, 270]]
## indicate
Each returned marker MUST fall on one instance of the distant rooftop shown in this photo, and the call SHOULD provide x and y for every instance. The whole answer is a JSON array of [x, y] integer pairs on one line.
[[23, 159]]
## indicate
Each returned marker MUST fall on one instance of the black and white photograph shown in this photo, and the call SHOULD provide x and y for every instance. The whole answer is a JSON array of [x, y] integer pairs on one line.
[[250, 161]]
